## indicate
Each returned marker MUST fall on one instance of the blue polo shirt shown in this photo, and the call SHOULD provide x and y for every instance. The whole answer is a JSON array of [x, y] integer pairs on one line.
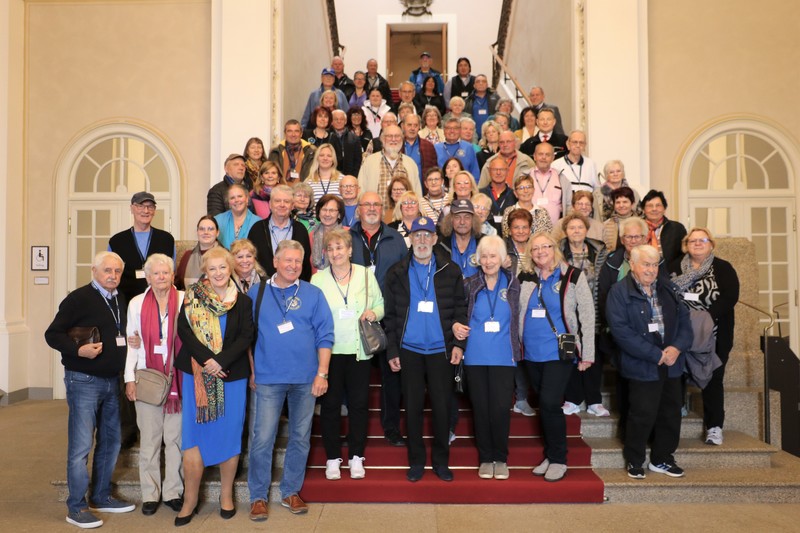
[[490, 348], [412, 151], [538, 338], [423, 332], [466, 260]]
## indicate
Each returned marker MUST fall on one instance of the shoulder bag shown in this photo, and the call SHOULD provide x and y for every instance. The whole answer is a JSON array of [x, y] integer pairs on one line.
[[373, 338]]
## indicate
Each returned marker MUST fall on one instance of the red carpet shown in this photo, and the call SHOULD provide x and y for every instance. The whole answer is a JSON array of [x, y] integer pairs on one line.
[[386, 466]]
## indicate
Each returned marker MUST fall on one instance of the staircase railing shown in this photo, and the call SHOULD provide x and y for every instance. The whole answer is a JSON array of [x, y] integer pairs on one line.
[[519, 93], [767, 435]]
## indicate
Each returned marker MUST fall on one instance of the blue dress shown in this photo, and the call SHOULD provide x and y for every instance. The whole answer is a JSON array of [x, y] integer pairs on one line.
[[221, 439]]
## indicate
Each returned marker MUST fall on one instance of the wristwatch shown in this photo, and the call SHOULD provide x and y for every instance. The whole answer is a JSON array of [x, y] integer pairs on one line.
[[323, 376]]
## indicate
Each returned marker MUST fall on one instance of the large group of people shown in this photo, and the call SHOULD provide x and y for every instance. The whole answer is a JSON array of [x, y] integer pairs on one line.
[[487, 248]]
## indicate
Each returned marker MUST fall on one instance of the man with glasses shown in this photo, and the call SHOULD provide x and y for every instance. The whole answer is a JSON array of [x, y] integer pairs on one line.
[[517, 163], [348, 188], [498, 190], [424, 297], [551, 190], [346, 144], [579, 169], [453, 146], [378, 247], [134, 245], [378, 169], [420, 150]]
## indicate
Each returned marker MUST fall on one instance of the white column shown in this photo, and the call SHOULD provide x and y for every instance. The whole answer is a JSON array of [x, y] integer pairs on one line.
[[617, 86], [241, 36], [14, 257]]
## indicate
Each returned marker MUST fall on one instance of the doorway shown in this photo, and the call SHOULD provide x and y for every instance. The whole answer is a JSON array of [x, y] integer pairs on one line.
[[404, 44]]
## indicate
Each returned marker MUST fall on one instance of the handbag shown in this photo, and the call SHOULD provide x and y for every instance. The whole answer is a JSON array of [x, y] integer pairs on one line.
[[567, 342], [152, 386], [81, 335], [373, 338], [459, 377]]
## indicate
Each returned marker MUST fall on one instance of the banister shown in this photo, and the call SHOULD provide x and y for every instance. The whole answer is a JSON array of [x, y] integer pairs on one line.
[[508, 73], [767, 436]]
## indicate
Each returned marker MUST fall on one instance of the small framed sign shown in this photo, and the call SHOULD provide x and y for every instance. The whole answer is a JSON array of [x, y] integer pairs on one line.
[[40, 258]]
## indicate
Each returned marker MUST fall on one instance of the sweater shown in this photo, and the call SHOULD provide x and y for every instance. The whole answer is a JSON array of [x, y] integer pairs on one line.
[[85, 306]]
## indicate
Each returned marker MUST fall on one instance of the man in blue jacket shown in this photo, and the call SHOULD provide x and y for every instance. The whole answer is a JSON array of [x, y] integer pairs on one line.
[[651, 327]]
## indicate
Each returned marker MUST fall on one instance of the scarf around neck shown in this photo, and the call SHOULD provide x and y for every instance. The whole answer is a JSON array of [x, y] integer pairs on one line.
[[151, 325], [688, 275]]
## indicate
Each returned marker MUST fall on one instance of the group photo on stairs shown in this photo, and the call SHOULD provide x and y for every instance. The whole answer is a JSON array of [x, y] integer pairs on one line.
[[508, 265]]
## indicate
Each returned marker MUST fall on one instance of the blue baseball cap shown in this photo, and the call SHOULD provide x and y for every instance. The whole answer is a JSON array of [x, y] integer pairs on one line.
[[423, 224], [327, 71]]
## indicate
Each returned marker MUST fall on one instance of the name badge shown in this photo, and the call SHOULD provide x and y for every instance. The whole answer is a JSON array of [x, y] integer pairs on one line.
[[294, 175], [542, 201], [491, 326], [345, 314], [464, 94], [285, 327], [140, 274], [691, 296], [652, 328], [425, 307], [372, 268], [498, 219], [160, 349], [120, 341], [481, 111], [538, 313]]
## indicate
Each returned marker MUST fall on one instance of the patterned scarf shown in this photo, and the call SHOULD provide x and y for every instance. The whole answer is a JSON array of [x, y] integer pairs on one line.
[[150, 322], [689, 276], [654, 233], [386, 175], [203, 309]]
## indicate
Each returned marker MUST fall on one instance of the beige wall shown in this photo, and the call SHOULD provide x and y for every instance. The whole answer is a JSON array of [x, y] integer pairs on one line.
[[714, 58], [539, 51], [88, 63]]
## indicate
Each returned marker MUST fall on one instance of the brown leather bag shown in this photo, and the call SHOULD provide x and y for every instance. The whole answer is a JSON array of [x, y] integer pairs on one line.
[[81, 335]]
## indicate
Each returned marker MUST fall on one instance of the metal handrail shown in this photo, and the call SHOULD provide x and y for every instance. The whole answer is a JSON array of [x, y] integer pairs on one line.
[[778, 315], [509, 75], [767, 435]]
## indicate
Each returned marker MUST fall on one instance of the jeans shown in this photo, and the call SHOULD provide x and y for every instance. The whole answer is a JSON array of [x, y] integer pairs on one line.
[[93, 413], [268, 405]]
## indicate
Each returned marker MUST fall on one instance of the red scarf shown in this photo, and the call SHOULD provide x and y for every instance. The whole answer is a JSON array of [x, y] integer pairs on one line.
[[151, 320]]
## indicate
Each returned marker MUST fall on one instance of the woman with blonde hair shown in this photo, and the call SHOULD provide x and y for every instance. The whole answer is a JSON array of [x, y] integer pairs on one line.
[[323, 177], [270, 175], [405, 212]]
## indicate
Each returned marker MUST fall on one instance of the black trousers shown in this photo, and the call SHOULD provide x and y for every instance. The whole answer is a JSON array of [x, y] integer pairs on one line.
[[714, 396], [549, 380], [491, 393], [436, 371], [585, 386], [390, 395], [346, 377], [654, 407]]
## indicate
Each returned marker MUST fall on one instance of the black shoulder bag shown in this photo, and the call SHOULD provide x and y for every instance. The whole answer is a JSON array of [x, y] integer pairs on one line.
[[567, 345]]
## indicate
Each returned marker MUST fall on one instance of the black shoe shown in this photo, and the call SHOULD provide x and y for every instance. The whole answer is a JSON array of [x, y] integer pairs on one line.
[[226, 514], [176, 504], [415, 473], [184, 520], [443, 473], [635, 472], [395, 438], [149, 508]]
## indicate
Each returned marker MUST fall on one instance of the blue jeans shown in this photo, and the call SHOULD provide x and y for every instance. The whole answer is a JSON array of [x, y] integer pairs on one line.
[[268, 405], [93, 405]]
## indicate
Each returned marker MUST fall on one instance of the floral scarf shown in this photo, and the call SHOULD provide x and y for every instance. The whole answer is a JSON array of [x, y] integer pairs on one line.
[[203, 309]]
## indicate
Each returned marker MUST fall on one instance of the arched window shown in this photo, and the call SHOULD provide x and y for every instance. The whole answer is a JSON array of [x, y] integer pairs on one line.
[[739, 179]]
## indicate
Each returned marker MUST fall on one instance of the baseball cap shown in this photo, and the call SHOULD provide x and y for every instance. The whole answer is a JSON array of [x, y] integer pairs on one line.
[[328, 71], [423, 54], [423, 224], [234, 156], [142, 197], [462, 206]]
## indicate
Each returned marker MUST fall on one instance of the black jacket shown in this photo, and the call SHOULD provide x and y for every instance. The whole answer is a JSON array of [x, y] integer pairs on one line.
[[124, 244], [236, 341], [262, 239], [348, 152], [450, 299]]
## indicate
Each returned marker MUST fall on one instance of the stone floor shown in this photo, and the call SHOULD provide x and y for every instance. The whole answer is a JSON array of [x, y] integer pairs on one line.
[[33, 451]]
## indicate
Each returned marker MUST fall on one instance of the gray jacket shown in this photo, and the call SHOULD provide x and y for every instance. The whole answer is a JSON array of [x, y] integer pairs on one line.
[[701, 358]]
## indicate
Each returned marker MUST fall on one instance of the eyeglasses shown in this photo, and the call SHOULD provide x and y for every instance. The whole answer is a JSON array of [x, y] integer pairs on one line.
[[480, 209], [631, 238], [704, 240], [385, 136], [422, 236], [542, 248], [649, 265], [409, 202], [329, 211], [145, 207], [524, 187], [371, 205], [434, 180]]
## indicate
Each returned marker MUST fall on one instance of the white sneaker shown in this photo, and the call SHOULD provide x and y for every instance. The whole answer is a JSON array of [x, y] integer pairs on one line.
[[570, 408], [524, 408], [542, 468], [714, 436], [451, 438], [597, 409], [332, 469], [317, 409], [357, 467]]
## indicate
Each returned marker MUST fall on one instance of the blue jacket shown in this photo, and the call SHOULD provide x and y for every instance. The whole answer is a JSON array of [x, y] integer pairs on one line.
[[391, 249], [628, 315]]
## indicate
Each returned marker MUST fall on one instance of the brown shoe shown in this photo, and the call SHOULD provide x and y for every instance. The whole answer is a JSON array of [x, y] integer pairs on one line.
[[295, 504], [259, 511]]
